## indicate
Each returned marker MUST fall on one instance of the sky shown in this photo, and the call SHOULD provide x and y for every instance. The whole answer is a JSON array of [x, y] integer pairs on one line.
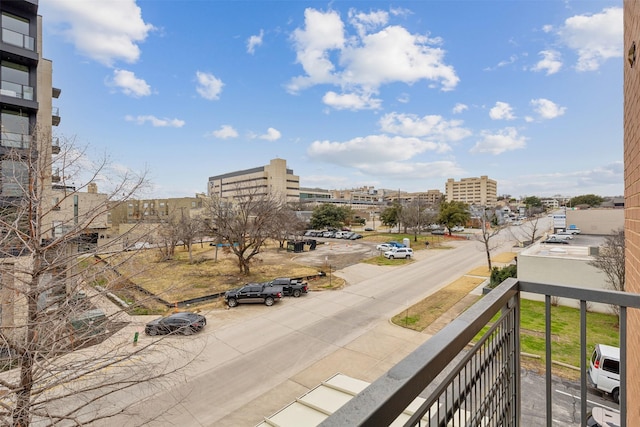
[[396, 95]]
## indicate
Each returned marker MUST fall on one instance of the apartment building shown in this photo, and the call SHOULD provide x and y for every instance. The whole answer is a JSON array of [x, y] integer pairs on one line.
[[72, 208], [473, 191], [26, 145], [429, 197], [274, 179], [26, 94]]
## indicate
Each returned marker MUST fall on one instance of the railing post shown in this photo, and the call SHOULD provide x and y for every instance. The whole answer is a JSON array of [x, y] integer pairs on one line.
[[623, 366], [547, 335], [518, 381], [583, 362]]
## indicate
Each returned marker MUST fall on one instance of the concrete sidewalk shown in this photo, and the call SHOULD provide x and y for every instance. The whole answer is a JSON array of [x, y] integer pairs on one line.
[[366, 358]]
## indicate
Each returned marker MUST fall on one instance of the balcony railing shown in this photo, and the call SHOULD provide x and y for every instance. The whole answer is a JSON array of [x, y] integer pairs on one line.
[[16, 90], [55, 116], [55, 146], [14, 140], [481, 387], [18, 39]]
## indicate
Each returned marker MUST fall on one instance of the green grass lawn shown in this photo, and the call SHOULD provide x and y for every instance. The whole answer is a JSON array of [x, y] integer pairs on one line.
[[565, 331]]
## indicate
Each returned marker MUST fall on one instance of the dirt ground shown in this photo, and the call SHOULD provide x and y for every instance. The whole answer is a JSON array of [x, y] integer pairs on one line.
[[335, 254]]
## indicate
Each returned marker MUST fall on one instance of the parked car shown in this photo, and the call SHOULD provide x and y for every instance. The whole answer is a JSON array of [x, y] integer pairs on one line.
[[399, 253], [395, 244], [185, 323], [355, 236], [383, 247], [566, 236], [556, 240], [457, 229], [439, 231], [601, 417], [571, 230], [368, 229], [604, 370], [253, 292]]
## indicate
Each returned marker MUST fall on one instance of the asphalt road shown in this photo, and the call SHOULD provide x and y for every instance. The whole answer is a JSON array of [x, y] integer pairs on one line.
[[252, 360]]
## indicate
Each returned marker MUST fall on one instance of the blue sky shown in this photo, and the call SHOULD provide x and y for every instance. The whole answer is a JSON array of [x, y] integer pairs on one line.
[[396, 95]]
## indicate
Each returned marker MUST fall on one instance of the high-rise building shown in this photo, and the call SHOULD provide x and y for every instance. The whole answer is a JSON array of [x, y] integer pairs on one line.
[[273, 179], [473, 191], [26, 94]]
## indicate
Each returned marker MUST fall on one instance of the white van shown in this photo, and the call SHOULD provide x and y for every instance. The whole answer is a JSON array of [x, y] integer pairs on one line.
[[604, 370]]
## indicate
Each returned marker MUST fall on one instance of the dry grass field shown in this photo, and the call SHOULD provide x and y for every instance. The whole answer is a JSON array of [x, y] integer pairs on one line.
[[213, 270]]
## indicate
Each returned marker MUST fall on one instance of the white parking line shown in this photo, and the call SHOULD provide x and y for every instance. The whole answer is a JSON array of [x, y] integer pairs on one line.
[[588, 401]]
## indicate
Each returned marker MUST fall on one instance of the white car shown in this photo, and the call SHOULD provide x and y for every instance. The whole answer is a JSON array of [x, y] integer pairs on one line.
[[561, 236], [457, 229], [384, 247], [399, 253]]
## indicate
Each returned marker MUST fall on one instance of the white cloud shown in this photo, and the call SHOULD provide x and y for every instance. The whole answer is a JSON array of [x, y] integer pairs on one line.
[[496, 143], [512, 60], [271, 135], [225, 132], [209, 87], [323, 32], [130, 84], [595, 38], [373, 149], [362, 62], [418, 170], [155, 122], [547, 109], [367, 22], [403, 98], [431, 127], [501, 111], [604, 180], [351, 101], [104, 31], [550, 62], [254, 41], [459, 108]]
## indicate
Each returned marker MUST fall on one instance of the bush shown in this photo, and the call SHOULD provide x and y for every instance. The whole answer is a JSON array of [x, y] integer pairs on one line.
[[498, 275]]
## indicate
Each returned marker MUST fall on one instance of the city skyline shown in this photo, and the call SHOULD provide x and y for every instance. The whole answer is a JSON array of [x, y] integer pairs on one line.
[[391, 95]]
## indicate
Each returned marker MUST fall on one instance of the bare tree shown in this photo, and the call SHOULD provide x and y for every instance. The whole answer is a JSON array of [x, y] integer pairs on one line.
[[489, 228], [531, 228], [243, 222], [169, 237], [611, 261], [190, 229], [49, 308], [285, 224]]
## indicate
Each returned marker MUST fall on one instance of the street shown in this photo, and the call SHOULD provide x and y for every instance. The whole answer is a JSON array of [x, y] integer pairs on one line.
[[253, 360]]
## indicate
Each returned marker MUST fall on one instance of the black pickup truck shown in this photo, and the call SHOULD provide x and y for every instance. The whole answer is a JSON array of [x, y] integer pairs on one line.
[[290, 287], [253, 292]]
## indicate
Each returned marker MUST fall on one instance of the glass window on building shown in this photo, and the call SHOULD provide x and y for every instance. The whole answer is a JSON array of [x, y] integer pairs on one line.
[[15, 31], [15, 81], [14, 178], [15, 129]]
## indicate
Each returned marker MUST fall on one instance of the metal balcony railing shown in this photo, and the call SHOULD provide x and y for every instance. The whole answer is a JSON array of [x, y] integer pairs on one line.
[[55, 146], [479, 386]]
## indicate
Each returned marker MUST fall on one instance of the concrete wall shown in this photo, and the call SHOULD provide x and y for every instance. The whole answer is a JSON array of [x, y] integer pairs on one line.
[[570, 267], [596, 221]]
